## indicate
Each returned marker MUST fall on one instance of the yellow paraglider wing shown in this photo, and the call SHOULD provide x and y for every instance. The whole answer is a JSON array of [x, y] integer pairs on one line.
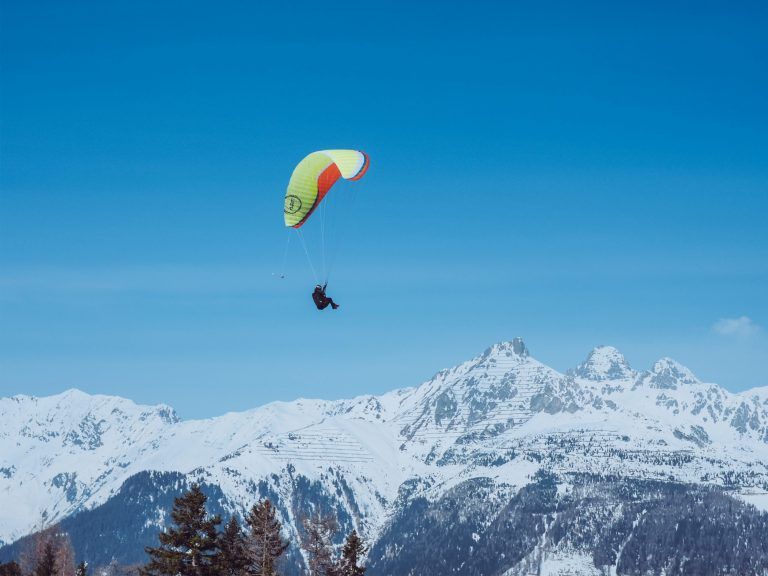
[[314, 176]]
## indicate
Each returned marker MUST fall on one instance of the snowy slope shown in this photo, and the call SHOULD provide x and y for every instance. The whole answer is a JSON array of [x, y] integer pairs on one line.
[[502, 416]]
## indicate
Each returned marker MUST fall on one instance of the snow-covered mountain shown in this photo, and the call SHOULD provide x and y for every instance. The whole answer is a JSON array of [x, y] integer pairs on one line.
[[500, 423]]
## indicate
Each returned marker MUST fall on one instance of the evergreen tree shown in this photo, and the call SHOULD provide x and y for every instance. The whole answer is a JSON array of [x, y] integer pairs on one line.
[[318, 543], [46, 564], [82, 569], [351, 556], [10, 569], [191, 548], [233, 559], [265, 542]]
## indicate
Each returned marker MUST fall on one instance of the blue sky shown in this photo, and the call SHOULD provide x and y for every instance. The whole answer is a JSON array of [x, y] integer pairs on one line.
[[577, 175]]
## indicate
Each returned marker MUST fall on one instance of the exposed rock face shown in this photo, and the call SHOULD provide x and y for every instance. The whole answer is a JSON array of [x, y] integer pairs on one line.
[[666, 373], [604, 363]]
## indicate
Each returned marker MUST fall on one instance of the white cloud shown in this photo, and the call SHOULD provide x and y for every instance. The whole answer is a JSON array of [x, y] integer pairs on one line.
[[742, 326]]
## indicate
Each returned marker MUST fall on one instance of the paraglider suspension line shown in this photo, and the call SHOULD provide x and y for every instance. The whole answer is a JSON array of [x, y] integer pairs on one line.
[[304, 245], [341, 230], [322, 240]]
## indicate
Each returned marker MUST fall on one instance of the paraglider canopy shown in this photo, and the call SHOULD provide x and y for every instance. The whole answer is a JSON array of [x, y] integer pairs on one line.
[[314, 176]]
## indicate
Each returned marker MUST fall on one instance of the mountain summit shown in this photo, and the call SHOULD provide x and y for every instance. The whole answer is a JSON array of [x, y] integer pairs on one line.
[[604, 363], [667, 373]]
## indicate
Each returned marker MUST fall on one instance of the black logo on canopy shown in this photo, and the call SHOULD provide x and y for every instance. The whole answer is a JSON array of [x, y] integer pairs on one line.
[[292, 204]]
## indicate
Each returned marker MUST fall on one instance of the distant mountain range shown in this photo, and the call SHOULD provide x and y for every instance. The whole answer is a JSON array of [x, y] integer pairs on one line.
[[498, 466]]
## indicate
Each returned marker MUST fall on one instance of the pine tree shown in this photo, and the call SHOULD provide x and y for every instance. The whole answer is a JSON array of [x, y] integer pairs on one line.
[[191, 548], [318, 543], [351, 556], [265, 542], [82, 569], [233, 559], [46, 564]]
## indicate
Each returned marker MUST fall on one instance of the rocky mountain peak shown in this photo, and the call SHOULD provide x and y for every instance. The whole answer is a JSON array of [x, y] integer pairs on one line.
[[604, 363], [516, 347], [667, 373]]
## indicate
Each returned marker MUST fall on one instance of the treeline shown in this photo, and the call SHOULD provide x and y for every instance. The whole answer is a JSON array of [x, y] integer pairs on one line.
[[199, 544]]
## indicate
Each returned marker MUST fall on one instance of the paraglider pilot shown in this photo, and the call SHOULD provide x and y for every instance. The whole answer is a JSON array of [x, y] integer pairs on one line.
[[321, 300]]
